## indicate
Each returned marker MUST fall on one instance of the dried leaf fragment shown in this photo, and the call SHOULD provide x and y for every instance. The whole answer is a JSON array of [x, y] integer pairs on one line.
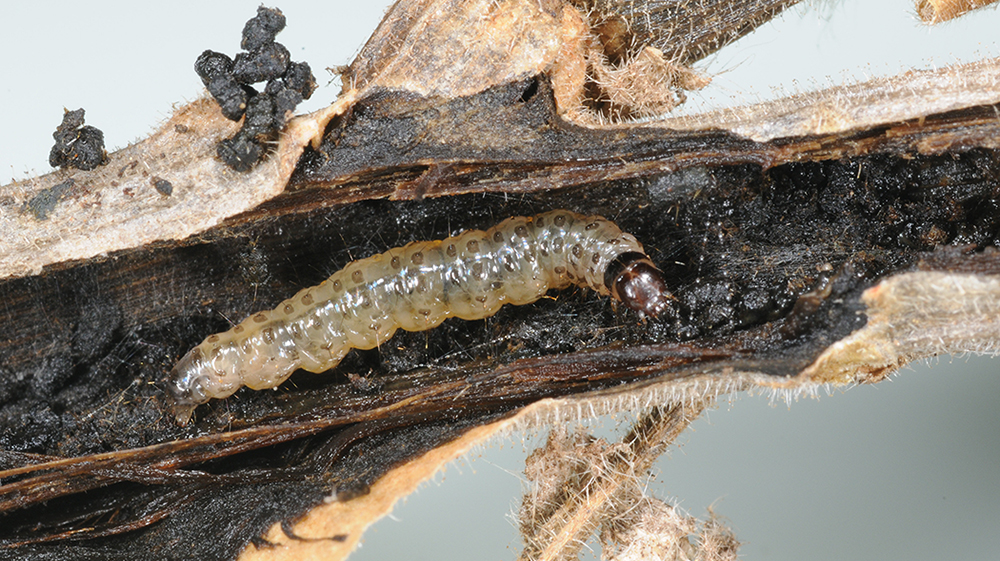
[[645, 86], [937, 11], [911, 316], [582, 483], [477, 45], [652, 529]]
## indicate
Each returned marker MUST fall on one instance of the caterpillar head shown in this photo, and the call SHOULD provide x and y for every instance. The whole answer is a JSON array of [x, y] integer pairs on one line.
[[185, 388], [636, 282]]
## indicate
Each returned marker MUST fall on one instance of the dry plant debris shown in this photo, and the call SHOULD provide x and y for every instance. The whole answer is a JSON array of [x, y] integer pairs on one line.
[[652, 529], [231, 85], [647, 85], [581, 484], [77, 145], [937, 11]]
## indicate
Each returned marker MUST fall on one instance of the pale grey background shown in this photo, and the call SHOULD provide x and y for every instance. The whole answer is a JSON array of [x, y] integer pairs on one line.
[[908, 469]]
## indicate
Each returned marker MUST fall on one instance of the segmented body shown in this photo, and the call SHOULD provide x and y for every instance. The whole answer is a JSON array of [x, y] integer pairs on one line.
[[416, 287]]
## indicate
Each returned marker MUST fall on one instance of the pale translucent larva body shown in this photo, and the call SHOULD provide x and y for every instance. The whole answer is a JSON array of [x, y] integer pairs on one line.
[[415, 287]]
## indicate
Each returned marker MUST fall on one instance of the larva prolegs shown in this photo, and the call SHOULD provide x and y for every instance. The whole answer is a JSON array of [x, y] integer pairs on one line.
[[416, 287]]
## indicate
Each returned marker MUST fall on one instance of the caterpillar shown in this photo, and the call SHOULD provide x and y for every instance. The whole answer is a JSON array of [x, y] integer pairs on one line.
[[416, 287]]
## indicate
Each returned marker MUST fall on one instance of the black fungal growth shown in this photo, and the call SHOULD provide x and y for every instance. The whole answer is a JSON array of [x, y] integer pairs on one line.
[[42, 204], [230, 83], [77, 145]]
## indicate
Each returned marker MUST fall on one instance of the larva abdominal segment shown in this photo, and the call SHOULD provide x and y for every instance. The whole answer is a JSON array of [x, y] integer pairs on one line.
[[416, 287]]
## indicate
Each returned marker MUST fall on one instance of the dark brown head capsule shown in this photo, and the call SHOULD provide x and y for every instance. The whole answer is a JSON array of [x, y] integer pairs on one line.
[[636, 282]]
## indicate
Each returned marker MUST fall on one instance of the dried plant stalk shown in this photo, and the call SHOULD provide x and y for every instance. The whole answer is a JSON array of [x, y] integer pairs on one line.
[[580, 483], [310, 466]]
